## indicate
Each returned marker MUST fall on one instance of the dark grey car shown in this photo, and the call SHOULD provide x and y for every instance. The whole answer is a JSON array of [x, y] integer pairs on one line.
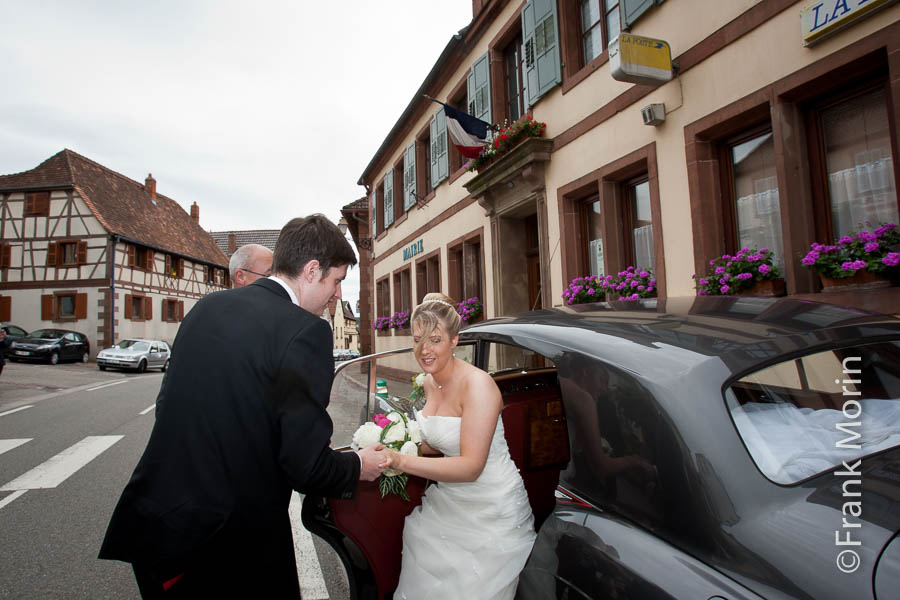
[[695, 448]]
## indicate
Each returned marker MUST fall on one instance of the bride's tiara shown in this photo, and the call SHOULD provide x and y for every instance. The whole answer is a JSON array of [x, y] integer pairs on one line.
[[439, 302]]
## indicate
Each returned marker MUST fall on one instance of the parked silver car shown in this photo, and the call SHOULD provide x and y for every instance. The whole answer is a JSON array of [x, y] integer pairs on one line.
[[135, 354]]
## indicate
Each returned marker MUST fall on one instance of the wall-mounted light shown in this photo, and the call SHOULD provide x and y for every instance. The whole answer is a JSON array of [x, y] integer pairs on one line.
[[344, 225]]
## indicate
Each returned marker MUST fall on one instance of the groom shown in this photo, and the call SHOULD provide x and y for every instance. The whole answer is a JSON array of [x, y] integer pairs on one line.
[[240, 422]]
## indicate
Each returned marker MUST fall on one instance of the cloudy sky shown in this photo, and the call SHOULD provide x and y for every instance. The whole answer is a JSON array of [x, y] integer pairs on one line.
[[258, 111]]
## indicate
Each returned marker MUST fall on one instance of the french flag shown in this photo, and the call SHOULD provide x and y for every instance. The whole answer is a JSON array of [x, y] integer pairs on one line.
[[469, 134]]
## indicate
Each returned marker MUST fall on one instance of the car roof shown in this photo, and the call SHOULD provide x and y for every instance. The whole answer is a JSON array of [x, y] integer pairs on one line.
[[142, 340], [744, 333]]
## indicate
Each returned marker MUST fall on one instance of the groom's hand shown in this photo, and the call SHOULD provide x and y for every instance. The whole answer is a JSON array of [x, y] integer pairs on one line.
[[374, 460]]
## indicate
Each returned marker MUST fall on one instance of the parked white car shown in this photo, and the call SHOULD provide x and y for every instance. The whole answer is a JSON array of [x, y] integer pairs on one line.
[[138, 355]]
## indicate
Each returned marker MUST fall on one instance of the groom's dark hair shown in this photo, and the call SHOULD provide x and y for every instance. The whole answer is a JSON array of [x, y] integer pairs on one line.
[[311, 238]]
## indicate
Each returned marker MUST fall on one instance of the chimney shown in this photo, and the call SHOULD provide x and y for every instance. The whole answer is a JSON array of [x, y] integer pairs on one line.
[[150, 186], [232, 244], [195, 213]]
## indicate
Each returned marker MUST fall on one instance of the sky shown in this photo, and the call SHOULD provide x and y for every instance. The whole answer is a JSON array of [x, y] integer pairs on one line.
[[257, 111]]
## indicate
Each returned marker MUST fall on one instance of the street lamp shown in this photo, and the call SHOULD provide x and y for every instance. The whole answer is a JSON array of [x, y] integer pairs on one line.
[[344, 225]]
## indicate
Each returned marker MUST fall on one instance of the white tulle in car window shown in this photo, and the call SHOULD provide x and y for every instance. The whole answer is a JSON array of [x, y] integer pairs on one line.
[[808, 415]]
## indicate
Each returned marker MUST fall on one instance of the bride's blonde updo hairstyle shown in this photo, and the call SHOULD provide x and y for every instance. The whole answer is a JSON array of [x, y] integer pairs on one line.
[[436, 308]]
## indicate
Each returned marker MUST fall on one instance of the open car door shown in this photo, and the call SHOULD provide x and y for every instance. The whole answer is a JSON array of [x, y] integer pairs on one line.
[[366, 532]]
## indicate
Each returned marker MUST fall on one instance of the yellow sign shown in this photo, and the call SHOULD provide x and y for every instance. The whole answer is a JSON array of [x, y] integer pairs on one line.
[[640, 59], [824, 17]]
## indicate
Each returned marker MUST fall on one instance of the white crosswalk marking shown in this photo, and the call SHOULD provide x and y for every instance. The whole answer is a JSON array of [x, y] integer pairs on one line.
[[57, 469], [312, 584], [6, 445]]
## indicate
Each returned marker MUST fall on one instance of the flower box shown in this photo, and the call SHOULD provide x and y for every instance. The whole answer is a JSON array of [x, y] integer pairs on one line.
[[861, 280], [766, 288]]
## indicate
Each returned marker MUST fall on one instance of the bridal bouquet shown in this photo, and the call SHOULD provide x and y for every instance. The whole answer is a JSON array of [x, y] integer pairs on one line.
[[396, 431]]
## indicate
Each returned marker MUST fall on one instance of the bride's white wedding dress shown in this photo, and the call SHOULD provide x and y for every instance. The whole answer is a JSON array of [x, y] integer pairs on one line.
[[467, 540]]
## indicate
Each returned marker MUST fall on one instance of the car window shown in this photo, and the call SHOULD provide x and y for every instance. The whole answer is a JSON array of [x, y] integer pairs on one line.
[[16, 330], [504, 357], [47, 334], [805, 416], [71, 337], [154, 348], [348, 406]]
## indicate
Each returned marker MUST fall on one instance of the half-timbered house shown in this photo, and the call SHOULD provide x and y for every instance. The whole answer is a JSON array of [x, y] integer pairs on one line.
[[85, 248]]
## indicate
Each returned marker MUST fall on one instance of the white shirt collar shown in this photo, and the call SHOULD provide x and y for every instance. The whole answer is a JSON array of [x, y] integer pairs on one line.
[[287, 288]]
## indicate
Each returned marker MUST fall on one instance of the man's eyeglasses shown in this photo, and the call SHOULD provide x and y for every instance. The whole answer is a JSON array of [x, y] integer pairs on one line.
[[267, 274]]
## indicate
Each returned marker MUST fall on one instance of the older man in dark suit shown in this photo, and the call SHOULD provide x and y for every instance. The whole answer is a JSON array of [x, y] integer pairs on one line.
[[240, 422]]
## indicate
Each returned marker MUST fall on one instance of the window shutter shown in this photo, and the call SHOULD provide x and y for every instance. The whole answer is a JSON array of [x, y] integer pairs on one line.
[[5, 258], [433, 154], [409, 177], [52, 251], [148, 308], [28, 210], [389, 198], [180, 314], [81, 253], [631, 10], [47, 307], [440, 158], [42, 204], [5, 308], [132, 252], [127, 306], [540, 49], [373, 206], [180, 268], [81, 306], [479, 89]]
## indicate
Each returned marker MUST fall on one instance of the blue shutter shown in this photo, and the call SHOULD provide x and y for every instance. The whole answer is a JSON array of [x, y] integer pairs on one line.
[[540, 49], [633, 9], [440, 158], [432, 153], [374, 208], [388, 198], [479, 89], [409, 177]]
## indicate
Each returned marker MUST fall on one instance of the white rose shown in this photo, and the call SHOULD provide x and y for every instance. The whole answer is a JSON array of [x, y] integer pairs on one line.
[[396, 433], [415, 433], [367, 435], [420, 380], [409, 449], [394, 416]]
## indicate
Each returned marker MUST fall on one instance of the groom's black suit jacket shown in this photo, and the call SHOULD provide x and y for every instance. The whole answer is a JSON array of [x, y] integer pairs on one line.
[[240, 422]]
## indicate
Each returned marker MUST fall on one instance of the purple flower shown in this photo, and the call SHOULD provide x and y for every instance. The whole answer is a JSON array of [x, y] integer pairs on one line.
[[694, 276], [590, 291], [702, 292], [712, 262], [703, 282], [810, 259], [725, 289], [720, 270], [763, 250], [865, 236], [652, 282], [641, 288], [845, 240], [723, 281], [746, 275], [871, 246], [645, 274], [892, 259], [764, 269]]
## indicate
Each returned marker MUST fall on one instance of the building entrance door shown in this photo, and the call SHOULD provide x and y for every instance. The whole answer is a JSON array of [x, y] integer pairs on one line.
[[519, 258]]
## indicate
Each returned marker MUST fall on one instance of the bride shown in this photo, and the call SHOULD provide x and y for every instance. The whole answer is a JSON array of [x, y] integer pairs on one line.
[[474, 530]]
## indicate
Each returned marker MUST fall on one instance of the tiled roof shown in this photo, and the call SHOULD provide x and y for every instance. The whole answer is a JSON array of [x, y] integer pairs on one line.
[[122, 205], [263, 237], [361, 204], [348, 311]]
